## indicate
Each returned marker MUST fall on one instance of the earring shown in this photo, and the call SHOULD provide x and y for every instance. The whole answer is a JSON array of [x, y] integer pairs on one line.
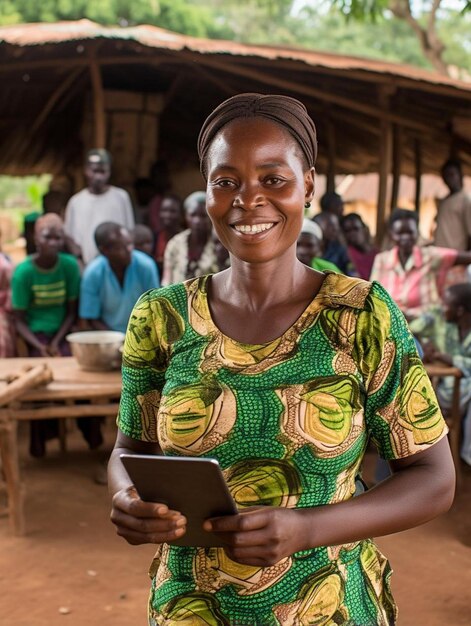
[[307, 205]]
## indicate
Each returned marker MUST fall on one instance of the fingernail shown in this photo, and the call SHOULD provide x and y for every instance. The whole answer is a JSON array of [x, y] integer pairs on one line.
[[207, 526]]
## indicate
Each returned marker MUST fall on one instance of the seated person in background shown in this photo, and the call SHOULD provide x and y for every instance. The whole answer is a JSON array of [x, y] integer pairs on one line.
[[113, 281], [45, 289], [223, 260], [414, 276], [143, 239], [7, 333], [359, 247], [172, 222], [331, 202], [334, 250], [191, 252], [309, 248], [449, 341]]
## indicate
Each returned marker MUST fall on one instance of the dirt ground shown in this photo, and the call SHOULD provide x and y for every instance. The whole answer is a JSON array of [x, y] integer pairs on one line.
[[71, 569]]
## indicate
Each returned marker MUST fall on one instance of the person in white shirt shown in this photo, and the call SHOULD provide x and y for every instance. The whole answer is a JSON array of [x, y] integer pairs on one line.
[[99, 202]]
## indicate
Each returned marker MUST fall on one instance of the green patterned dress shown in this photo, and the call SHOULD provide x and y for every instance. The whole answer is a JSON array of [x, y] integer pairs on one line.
[[289, 423]]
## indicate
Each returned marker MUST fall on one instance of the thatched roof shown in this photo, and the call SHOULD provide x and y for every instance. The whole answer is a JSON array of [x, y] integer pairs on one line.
[[46, 79]]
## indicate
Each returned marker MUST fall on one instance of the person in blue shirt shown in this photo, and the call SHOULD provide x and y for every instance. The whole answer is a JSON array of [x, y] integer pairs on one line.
[[113, 281]]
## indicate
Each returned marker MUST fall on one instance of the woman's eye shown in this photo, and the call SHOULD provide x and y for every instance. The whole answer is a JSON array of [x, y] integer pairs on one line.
[[223, 182], [273, 180]]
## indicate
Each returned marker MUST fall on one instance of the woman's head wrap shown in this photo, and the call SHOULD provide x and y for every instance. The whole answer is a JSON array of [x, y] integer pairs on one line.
[[312, 228], [288, 112]]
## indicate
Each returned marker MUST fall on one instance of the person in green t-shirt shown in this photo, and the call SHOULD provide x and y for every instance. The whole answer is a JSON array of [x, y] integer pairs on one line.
[[309, 248], [45, 289]]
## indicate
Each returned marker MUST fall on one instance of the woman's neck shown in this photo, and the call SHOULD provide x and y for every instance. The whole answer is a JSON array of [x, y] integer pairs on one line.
[[262, 284]]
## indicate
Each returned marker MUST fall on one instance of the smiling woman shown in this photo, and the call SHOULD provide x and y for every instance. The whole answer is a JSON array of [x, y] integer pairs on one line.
[[282, 374]]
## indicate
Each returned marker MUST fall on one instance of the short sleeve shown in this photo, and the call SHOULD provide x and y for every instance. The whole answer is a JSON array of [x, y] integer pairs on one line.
[[153, 326], [72, 270], [90, 302], [401, 410], [21, 287]]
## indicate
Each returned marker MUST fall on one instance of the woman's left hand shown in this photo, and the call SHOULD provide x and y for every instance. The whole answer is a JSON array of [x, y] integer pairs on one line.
[[259, 536]]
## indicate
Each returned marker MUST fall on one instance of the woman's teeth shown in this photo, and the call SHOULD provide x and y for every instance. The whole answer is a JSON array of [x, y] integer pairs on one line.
[[252, 228]]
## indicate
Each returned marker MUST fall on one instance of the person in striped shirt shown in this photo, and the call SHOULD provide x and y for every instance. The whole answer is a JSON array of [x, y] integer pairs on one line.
[[414, 276]]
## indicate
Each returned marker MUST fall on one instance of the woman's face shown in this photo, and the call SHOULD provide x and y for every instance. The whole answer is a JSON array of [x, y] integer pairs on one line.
[[197, 219], [256, 190], [170, 213], [355, 233]]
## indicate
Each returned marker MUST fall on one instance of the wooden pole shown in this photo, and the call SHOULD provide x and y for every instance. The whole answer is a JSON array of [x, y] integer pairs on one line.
[[98, 104], [385, 150], [396, 164], [418, 172], [331, 152]]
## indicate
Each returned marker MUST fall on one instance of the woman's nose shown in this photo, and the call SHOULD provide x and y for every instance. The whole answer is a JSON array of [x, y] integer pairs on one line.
[[249, 197]]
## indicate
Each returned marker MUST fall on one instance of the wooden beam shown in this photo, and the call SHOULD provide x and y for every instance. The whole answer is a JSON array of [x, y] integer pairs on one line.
[[54, 98], [331, 154], [98, 105], [396, 164]]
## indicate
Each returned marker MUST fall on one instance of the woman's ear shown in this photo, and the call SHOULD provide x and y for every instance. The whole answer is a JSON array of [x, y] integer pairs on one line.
[[309, 184]]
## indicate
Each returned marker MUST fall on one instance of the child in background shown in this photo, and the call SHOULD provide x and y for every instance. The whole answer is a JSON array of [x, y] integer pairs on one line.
[[45, 289], [448, 332], [309, 248]]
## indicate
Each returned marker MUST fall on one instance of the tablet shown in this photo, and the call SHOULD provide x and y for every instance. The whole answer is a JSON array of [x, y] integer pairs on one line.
[[192, 485]]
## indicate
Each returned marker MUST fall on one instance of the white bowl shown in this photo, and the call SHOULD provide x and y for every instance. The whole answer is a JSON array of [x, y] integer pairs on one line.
[[97, 350]]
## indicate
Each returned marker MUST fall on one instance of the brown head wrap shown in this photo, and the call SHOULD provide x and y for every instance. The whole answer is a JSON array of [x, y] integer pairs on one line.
[[283, 110]]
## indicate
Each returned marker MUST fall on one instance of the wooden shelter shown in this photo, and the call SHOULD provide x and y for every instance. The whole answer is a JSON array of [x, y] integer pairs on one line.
[[143, 92]]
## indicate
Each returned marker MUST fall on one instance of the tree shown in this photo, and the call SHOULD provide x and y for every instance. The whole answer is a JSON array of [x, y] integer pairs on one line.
[[420, 15]]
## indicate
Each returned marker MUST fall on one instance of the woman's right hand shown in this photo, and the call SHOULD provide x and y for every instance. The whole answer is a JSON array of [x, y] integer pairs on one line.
[[145, 522]]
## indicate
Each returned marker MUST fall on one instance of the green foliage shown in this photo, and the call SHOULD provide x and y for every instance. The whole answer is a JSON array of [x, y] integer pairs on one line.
[[318, 24]]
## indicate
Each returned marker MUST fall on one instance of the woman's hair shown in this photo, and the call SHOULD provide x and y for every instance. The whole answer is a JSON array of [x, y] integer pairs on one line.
[[403, 214], [48, 220], [351, 217], [461, 293], [287, 112], [197, 197]]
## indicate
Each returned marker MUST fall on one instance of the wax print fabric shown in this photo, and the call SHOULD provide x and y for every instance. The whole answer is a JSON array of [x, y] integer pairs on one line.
[[288, 421]]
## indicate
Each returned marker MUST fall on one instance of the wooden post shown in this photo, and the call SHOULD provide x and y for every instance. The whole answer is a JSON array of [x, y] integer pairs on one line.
[[385, 159], [418, 172], [11, 471], [98, 104], [396, 165], [331, 151], [385, 149]]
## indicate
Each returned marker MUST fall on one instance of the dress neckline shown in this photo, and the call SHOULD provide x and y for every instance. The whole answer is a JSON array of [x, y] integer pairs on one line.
[[313, 306]]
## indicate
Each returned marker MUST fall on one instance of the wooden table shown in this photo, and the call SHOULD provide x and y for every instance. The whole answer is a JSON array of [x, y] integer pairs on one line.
[[58, 399], [436, 371]]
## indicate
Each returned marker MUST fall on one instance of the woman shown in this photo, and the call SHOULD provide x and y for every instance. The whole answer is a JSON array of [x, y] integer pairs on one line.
[[171, 222], [281, 373], [359, 247], [191, 252]]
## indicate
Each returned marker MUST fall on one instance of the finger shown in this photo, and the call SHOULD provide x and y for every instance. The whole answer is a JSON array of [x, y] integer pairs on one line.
[[253, 558], [128, 501], [147, 525], [245, 540], [245, 521], [137, 538]]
